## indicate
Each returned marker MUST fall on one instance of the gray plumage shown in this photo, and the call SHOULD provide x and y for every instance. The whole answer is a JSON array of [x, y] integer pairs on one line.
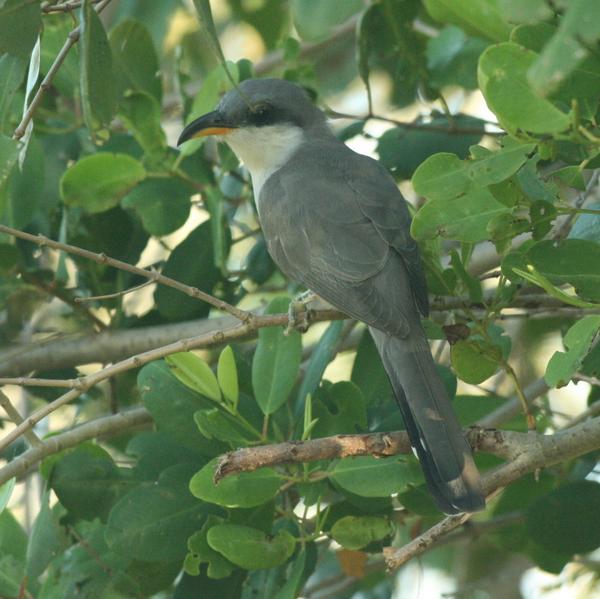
[[335, 221]]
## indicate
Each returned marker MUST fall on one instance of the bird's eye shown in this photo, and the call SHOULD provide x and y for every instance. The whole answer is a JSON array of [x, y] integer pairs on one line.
[[261, 113]]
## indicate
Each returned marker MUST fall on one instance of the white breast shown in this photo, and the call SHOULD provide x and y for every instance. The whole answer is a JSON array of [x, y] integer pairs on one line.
[[264, 150]]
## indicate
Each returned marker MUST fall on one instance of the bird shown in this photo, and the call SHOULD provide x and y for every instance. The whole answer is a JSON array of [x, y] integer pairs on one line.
[[335, 221]]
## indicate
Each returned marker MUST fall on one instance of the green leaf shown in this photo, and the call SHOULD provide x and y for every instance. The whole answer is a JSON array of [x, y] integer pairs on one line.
[[9, 153], [12, 69], [587, 226], [463, 218], [403, 150], [319, 359], [477, 17], [368, 373], [98, 93], [207, 26], [87, 482], [46, 541], [163, 205], [26, 186], [227, 376], [200, 552], [503, 80], [153, 521], [141, 114], [97, 183], [5, 493], [570, 176], [56, 30], [295, 577], [194, 373], [250, 548], [452, 58], [314, 19], [217, 424], [20, 22], [13, 547], [578, 341], [276, 362], [355, 532], [474, 360], [192, 263], [441, 177], [500, 165], [578, 31], [573, 261], [515, 11], [338, 409], [567, 520], [247, 489], [368, 476], [135, 58], [533, 276], [173, 405]]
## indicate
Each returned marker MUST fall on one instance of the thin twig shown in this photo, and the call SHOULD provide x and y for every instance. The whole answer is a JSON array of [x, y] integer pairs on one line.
[[71, 40], [151, 274], [100, 427], [23, 381], [17, 419], [565, 227], [114, 295], [66, 6], [419, 125]]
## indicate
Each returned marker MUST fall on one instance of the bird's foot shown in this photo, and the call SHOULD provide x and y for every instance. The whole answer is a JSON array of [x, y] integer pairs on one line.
[[298, 314]]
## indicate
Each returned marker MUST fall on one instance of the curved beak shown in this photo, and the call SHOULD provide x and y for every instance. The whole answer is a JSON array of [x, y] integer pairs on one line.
[[212, 123]]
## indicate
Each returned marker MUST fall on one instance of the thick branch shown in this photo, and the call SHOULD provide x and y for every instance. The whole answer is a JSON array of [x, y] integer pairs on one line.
[[101, 427], [112, 345], [214, 338], [524, 452]]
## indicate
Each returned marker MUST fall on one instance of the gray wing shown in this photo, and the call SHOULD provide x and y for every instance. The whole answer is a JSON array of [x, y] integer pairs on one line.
[[335, 221]]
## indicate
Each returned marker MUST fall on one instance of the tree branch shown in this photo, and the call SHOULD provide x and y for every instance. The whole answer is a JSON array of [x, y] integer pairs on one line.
[[525, 452], [150, 274], [538, 451], [101, 427], [218, 337], [112, 345]]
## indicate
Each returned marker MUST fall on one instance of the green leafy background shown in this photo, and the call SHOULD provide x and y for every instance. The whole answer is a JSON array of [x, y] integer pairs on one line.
[[484, 111]]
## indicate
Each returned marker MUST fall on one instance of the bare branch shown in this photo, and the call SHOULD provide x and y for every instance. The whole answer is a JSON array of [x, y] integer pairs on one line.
[[327, 448], [67, 6], [101, 427], [531, 452], [115, 295], [150, 274], [14, 415], [23, 381], [205, 340], [112, 345]]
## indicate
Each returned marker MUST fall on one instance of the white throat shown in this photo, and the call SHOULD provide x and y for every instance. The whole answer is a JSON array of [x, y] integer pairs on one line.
[[264, 150]]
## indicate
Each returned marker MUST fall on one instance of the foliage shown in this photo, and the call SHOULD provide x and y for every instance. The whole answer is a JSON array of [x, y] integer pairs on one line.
[[139, 514]]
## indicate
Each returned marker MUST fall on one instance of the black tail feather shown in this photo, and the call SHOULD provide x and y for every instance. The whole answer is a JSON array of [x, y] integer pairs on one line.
[[431, 423]]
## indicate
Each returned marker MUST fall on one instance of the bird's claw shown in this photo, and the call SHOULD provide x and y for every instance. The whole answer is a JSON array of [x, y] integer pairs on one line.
[[298, 314]]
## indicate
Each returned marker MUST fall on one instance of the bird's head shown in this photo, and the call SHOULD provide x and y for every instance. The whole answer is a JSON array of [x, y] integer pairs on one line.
[[269, 115]]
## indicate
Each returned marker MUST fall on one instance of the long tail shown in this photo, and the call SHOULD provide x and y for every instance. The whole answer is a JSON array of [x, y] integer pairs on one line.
[[431, 423]]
